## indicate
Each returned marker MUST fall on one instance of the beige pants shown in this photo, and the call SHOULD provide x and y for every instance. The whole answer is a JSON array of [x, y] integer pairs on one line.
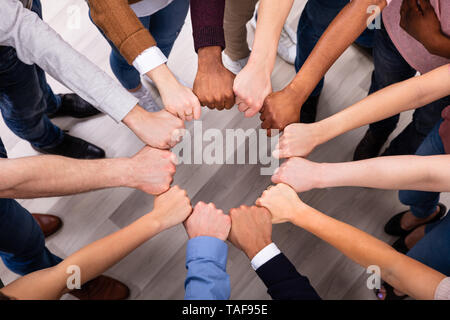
[[237, 14]]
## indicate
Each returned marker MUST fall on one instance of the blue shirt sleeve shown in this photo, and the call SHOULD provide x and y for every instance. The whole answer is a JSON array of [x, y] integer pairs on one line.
[[206, 261]]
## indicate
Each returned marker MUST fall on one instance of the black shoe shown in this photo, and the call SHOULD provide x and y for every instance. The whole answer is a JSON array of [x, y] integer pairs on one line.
[[407, 142], [370, 145], [74, 106], [400, 245], [73, 147], [309, 110]]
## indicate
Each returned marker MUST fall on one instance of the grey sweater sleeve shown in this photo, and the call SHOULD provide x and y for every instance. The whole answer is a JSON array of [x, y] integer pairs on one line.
[[37, 43]]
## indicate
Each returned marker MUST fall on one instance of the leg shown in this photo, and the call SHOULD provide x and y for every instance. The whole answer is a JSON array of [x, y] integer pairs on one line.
[[237, 14], [166, 24], [423, 204]]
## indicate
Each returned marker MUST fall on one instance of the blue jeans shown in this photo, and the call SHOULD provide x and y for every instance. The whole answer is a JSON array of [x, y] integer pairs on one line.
[[22, 243], [26, 97], [390, 68], [165, 26], [422, 203], [315, 19]]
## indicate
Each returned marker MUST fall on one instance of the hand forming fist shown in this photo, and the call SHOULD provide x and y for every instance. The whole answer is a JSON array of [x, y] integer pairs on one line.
[[282, 202], [159, 129], [251, 87], [300, 174], [207, 220], [251, 229], [151, 170], [213, 84], [171, 208], [279, 110], [298, 140]]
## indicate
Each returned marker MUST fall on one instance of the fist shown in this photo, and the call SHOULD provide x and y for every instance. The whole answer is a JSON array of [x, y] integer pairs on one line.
[[298, 140], [279, 110], [282, 202], [300, 174], [171, 208], [151, 170], [207, 220], [251, 229]]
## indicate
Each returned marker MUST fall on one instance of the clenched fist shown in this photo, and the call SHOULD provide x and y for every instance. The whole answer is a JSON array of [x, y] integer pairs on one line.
[[213, 84], [171, 208], [298, 140], [208, 221], [301, 174], [251, 229], [279, 110], [151, 170]]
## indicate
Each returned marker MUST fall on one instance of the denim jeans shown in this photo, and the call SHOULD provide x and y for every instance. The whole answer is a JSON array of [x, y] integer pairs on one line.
[[423, 204], [22, 243], [165, 26], [390, 68], [315, 19], [26, 97]]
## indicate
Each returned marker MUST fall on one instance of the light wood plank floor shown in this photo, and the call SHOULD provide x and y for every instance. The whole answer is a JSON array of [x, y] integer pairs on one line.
[[156, 270]]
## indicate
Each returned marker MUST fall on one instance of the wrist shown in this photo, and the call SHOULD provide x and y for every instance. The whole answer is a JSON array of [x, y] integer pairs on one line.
[[152, 222], [435, 43], [162, 77], [261, 62], [252, 251], [209, 57], [118, 171]]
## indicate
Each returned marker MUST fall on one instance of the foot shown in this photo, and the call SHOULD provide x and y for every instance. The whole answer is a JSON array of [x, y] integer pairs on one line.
[[74, 106], [102, 288], [73, 147], [233, 66], [308, 111], [410, 221], [146, 100], [370, 145], [49, 224]]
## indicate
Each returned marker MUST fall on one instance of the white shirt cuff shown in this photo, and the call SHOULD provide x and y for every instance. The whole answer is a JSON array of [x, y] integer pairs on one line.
[[265, 255], [149, 59]]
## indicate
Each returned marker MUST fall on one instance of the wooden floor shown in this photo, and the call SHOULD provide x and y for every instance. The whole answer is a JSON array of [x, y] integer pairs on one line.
[[156, 270]]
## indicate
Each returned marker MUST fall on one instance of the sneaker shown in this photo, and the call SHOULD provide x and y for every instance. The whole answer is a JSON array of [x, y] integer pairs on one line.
[[370, 145], [233, 66], [146, 100]]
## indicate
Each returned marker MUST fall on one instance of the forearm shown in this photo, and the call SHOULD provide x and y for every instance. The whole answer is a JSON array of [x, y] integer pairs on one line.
[[340, 34], [407, 95], [400, 271], [48, 176], [398, 172], [92, 260], [271, 18]]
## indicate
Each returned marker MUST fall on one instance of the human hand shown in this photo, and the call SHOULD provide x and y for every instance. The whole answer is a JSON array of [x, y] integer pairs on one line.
[[419, 20], [177, 99], [207, 220], [213, 84], [151, 170], [251, 87], [251, 229], [298, 140], [279, 110], [300, 174], [171, 208], [282, 202], [159, 129]]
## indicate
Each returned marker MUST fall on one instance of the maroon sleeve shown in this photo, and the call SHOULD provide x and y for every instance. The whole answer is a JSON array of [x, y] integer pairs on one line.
[[207, 23]]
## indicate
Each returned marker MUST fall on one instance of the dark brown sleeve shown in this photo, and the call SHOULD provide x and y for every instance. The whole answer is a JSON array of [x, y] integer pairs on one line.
[[121, 25]]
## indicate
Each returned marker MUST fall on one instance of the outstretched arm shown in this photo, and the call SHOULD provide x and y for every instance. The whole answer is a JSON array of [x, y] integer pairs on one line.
[[301, 139], [171, 208], [403, 273], [430, 173], [150, 170]]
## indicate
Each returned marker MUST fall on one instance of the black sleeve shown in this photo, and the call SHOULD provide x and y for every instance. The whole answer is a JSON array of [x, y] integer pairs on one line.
[[283, 281]]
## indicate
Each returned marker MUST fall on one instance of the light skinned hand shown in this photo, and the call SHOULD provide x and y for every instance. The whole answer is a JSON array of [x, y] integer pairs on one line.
[[251, 86], [213, 84], [171, 208], [151, 170], [282, 202], [251, 229], [299, 173], [159, 129], [298, 140], [208, 221]]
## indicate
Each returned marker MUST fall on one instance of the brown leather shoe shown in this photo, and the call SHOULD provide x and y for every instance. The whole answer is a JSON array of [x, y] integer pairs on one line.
[[48, 223], [102, 288]]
